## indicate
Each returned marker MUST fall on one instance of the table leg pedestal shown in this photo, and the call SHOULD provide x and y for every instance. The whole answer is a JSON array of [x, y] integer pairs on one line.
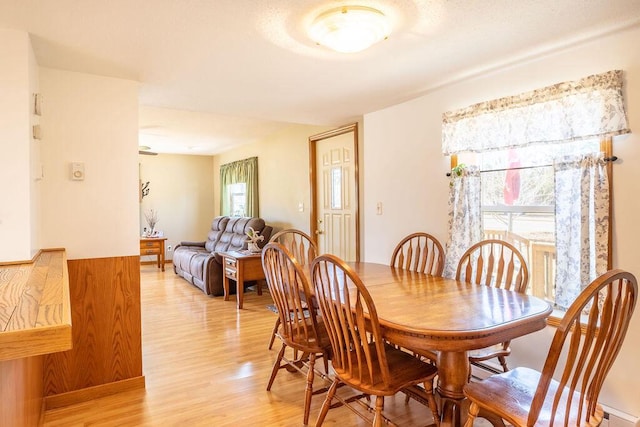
[[453, 374]]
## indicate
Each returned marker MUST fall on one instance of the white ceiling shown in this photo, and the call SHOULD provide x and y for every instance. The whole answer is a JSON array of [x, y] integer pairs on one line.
[[218, 73]]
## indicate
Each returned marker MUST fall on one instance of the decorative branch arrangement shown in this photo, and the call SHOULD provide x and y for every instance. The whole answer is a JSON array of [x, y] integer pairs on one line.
[[152, 219]]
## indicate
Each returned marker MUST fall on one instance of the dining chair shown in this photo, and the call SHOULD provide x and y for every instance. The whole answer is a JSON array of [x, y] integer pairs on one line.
[[300, 328], [582, 351], [360, 356], [302, 248], [499, 264], [419, 252], [423, 253]]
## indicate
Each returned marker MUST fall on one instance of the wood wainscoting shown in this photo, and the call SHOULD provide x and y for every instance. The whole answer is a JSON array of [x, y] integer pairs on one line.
[[21, 391], [107, 341]]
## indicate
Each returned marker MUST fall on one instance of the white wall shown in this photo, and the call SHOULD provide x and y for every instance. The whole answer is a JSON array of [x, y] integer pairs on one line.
[[15, 146], [181, 191], [283, 174], [405, 171], [35, 156], [94, 120]]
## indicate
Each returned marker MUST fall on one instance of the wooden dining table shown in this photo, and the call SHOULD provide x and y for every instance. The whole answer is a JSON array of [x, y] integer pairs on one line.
[[422, 312]]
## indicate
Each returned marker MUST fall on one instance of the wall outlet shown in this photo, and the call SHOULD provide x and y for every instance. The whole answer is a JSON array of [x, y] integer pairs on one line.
[[169, 248], [615, 418]]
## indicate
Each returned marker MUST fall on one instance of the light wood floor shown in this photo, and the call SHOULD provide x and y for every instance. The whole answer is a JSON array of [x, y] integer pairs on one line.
[[207, 364]]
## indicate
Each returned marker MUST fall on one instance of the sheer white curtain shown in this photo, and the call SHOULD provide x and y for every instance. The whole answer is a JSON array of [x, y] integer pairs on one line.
[[582, 224], [465, 221]]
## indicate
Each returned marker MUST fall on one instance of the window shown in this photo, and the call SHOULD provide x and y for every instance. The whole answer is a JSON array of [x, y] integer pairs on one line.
[[336, 188], [517, 204], [536, 176], [238, 198], [239, 188]]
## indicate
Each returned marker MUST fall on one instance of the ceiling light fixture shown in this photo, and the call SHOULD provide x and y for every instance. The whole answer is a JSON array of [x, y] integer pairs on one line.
[[350, 29]]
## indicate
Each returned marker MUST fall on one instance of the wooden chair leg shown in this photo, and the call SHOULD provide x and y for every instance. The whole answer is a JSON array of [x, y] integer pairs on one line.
[[493, 419], [327, 403], [503, 362], [473, 413], [309, 390], [378, 419], [276, 367], [273, 334], [433, 405]]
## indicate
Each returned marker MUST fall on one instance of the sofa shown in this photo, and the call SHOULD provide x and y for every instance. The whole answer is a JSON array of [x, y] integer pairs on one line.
[[200, 262]]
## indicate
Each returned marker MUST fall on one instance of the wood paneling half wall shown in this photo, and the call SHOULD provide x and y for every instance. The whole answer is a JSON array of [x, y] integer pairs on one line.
[[21, 391], [106, 319]]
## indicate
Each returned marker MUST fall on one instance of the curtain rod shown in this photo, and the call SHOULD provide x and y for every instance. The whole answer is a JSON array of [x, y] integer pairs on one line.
[[606, 159]]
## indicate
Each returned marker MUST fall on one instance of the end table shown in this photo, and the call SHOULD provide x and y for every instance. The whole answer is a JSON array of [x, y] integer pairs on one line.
[[153, 246], [241, 266]]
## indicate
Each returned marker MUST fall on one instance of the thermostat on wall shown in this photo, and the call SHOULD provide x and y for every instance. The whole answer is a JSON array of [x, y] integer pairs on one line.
[[77, 171]]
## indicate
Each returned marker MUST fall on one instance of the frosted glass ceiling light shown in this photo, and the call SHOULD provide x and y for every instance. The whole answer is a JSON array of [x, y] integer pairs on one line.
[[349, 29]]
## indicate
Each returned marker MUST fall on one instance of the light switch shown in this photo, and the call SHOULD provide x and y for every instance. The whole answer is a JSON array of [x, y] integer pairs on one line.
[[77, 171], [301, 207]]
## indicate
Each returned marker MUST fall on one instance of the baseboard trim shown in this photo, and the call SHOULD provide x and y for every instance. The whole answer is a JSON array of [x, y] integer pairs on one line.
[[166, 261], [90, 393]]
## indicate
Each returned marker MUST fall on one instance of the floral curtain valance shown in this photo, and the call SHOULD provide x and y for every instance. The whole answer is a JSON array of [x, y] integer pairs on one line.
[[583, 109]]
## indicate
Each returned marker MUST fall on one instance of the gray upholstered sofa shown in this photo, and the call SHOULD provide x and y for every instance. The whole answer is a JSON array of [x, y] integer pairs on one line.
[[200, 263]]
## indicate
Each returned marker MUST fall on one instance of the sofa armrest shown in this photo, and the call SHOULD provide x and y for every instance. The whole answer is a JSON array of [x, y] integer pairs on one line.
[[187, 243], [217, 257], [266, 232]]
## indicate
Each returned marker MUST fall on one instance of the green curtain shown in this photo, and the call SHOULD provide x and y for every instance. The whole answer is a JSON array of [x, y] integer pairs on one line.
[[243, 171]]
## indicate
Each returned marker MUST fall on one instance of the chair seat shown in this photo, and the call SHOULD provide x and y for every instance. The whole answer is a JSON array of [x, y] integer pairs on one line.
[[509, 395], [488, 353], [407, 370], [474, 355], [431, 355], [302, 341]]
